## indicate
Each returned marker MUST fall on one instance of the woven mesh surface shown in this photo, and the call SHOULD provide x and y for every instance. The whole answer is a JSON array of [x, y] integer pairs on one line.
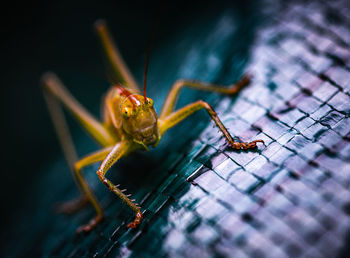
[[289, 198]]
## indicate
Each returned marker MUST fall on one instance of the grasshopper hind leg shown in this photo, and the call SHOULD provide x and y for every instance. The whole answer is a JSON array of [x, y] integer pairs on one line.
[[71, 206], [57, 95]]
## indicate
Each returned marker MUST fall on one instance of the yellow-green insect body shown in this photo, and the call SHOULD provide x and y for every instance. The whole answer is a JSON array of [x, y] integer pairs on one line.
[[129, 122], [133, 116]]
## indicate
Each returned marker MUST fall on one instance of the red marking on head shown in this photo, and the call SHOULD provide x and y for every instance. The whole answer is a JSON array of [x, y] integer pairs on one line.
[[145, 72], [127, 94]]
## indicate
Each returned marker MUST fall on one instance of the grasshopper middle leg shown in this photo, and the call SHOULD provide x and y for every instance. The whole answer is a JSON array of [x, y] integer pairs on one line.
[[172, 97]]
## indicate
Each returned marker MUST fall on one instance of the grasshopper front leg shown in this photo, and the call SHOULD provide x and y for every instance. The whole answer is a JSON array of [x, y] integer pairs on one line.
[[179, 115], [169, 119], [119, 150]]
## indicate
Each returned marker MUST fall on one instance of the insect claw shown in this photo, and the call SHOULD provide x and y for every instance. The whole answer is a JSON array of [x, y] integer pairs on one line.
[[128, 195], [123, 190]]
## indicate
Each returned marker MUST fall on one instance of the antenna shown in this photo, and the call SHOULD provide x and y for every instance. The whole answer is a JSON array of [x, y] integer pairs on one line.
[[149, 47], [146, 69]]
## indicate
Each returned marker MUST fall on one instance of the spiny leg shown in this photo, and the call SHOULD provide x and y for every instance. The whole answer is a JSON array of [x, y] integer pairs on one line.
[[172, 97], [118, 151], [179, 115], [88, 160], [119, 67]]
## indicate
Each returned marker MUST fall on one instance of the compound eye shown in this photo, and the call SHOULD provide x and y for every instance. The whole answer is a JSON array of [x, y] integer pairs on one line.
[[150, 101], [126, 113]]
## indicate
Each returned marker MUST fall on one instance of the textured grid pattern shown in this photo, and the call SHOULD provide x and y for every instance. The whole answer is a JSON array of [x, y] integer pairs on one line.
[[290, 198]]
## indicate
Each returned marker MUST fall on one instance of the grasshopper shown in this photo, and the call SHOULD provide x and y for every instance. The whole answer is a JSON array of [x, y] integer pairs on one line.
[[129, 123]]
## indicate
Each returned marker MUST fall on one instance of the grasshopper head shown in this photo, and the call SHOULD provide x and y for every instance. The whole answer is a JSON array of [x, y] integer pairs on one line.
[[139, 117], [140, 120]]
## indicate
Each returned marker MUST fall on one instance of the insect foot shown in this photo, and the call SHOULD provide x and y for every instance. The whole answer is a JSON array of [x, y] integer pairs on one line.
[[244, 81], [245, 145], [92, 224], [136, 221]]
